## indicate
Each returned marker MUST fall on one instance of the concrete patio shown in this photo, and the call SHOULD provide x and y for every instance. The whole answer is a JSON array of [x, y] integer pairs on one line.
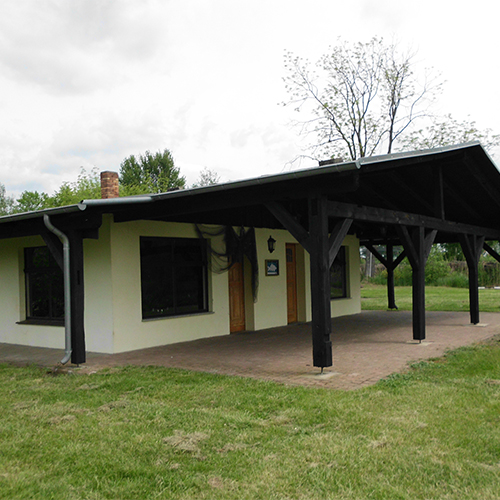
[[366, 347]]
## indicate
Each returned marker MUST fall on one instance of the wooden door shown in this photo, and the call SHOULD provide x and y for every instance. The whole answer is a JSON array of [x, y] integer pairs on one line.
[[236, 298], [291, 282]]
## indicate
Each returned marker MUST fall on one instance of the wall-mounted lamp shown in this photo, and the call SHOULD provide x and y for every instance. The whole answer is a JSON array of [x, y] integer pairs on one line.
[[271, 244]]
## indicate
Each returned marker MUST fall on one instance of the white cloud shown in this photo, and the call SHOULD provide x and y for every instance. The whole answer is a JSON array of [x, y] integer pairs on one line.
[[89, 82], [79, 46]]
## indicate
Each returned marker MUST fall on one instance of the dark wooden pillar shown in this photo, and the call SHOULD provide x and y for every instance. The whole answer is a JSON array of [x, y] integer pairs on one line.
[[77, 297], [322, 249], [418, 285], [472, 247], [417, 245], [391, 298], [320, 282], [473, 293], [390, 264], [55, 246]]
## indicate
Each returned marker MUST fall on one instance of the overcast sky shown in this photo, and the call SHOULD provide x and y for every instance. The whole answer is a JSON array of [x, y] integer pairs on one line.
[[86, 83]]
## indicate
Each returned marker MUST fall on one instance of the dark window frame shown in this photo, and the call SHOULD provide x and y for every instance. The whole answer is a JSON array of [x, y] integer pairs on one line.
[[177, 283], [44, 287], [338, 275]]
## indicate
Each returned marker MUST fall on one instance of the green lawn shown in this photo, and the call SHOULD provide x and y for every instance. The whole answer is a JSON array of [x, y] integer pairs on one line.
[[437, 298], [157, 433]]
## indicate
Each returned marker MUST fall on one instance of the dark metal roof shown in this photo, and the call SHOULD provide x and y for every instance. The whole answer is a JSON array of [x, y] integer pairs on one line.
[[406, 182]]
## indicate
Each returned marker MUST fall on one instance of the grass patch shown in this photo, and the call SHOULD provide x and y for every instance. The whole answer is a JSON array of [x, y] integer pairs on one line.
[[437, 298], [144, 433]]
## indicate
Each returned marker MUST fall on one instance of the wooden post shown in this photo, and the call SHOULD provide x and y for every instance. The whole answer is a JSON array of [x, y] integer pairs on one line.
[[322, 250], [418, 285], [391, 298], [472, 247], [417, 246], [390, 264], [78, 355], [473, 293], [320, 283]]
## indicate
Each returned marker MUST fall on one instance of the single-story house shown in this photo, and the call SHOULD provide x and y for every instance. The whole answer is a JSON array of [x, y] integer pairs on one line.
[[119, 274]]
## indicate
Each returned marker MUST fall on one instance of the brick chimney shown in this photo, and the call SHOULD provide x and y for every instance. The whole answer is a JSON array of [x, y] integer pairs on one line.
[[109, 185]]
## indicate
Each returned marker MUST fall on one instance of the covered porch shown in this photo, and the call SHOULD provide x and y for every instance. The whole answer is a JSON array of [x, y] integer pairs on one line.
[[369, 346], [411, 200]]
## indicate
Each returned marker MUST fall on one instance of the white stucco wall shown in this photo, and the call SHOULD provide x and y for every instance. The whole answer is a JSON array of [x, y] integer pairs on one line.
[[98, 320], [351, 304], [12, 299], [113, 317], [99, 312], [271, 308], [130, 331]]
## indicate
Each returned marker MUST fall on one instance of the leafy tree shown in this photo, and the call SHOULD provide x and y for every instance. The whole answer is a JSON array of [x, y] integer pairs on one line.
[[86, 187], [6, 202], [150, 173], [452, 251], [207, 177], [30, 201]]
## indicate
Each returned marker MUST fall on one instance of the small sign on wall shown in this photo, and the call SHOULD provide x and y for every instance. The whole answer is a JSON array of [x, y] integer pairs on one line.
[[272, 267]]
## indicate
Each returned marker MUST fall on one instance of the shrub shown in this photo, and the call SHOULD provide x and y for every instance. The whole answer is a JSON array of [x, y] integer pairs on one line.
[[441, 272], [403, 274], [489, 273], [380, 278], [436, 267], [454, 280]]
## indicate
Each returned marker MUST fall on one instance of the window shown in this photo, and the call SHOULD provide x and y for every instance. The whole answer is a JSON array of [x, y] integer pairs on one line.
[[44, 286], [173, 276], [338, 276]]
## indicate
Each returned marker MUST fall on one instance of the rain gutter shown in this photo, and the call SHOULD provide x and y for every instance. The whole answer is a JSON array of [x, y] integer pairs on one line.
[[67, 287], [32, 215], [114, 201]]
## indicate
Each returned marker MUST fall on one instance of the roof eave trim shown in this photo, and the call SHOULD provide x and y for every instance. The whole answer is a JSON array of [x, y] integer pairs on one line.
[[261, 181], [114, 201], [367, 160], [39, 213]]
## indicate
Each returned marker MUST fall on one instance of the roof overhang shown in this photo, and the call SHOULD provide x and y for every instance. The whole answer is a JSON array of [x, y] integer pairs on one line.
[[455, 188]]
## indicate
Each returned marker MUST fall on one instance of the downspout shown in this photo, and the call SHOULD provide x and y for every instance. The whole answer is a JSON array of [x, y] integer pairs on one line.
[[67, 287]]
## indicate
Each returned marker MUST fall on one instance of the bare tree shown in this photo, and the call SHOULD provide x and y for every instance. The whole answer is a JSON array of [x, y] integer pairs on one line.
[[446, 130], [362, 98], [207, 177]]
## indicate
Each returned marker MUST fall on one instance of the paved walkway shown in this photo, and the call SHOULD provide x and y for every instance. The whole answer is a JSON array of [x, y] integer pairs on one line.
[[366, 348]]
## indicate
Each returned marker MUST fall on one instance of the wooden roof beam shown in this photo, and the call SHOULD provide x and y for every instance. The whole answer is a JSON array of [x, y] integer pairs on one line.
[[482, 180], [459, 199], [374, 192], [397, 218], [410, 191], [290, 224]]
